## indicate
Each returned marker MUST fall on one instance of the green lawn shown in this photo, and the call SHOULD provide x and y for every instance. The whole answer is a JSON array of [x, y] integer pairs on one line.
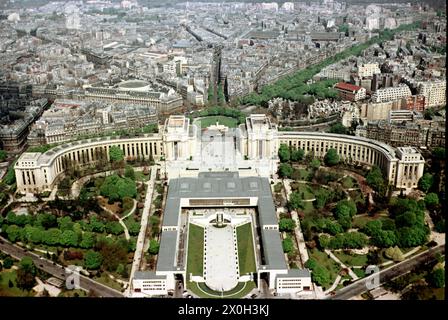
[[308, 207], [324, 261], [195, 258], [359, 272], [246, 255], [106, 280], [241, 290], [305, 191], [226, 121], [351, 260], [6, 291], [73, 293]]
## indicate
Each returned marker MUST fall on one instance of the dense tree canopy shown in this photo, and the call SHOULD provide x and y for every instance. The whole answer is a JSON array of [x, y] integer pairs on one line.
[[285, 170], [295, 201], [284, 153], [288, 245], [3, 155], [375, 179], [426, 182], [26, 273], [331, 157], [153, 247], [286, 225], [437, 278], [129, 172], [116, 188], [432, 199], [92, 260], [297, 154], [116, 154]]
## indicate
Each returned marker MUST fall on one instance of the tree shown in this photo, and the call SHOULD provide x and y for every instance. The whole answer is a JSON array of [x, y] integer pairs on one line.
[[133, 226], [320, 276], [333, 228], [295, 201], [375, 179], [411, 237], [439, 153], [284, 153], [129, 173], [113, 253], [426, 182], [287, 225], [8, 262], [92, 260], [331, 157], [288, 245], [116, 154], [25, 274], [46, 220], [88, 240], [432, 199], [114, 227], [121, 270], [52, 236], [96, 225], [153, 247], [285, 170], [69, 238], [384, 239], [116, 188], [372, 227], [314, 164], [394, 253], [13, 232], [297, 154], [65, 223], [311, 264], [3, 155], [437, 278], [345, 208], [338, 128]]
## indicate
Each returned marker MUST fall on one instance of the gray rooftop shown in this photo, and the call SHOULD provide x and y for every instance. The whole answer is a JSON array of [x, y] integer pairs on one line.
[[220, 185], [147, 275], [167, 252], [274, 258], [296, 273]]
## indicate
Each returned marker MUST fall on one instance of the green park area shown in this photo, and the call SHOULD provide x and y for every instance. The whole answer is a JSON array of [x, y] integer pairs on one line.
[[222, 120], [195, 260], [351, 259], [8, 285], [325, 270], [246, 255]]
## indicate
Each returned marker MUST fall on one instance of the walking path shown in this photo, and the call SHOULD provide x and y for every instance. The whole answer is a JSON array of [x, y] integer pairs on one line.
[[350, 272], [120, 219], [139, 250], [303, 253], [334, 285]]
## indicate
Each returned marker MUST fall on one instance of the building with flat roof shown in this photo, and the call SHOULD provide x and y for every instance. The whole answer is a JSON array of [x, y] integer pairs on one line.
[[220, 190], [182, 145]]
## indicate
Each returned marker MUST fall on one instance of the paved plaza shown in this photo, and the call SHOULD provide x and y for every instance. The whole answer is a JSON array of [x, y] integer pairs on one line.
[[221, 258]]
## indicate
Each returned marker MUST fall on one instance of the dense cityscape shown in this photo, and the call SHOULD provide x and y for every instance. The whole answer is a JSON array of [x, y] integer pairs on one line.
[[205, 149]]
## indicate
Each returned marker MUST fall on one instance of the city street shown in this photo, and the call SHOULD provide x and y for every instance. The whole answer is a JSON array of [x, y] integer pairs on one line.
[[57, 270], [387, 274]]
